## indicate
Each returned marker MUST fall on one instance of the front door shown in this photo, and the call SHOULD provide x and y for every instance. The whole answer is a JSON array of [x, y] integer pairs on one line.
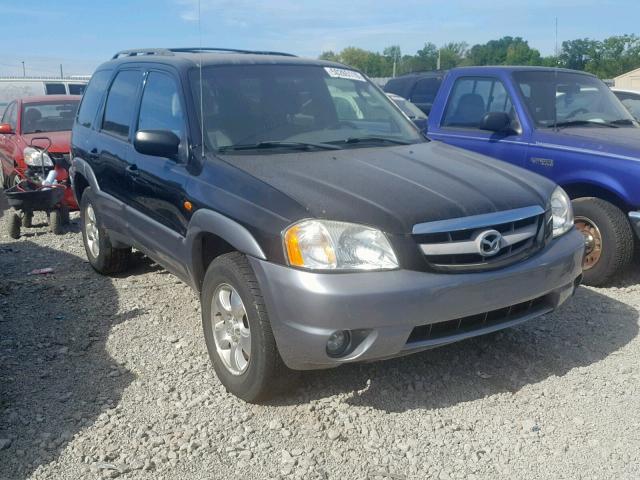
[[470, 99], [158, 216]]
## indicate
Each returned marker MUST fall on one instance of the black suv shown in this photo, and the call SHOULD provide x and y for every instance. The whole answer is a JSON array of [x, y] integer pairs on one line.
[[316, 222], [420, 88]]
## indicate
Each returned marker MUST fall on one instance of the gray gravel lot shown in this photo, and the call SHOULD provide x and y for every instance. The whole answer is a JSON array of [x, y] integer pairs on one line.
[[109, 377]]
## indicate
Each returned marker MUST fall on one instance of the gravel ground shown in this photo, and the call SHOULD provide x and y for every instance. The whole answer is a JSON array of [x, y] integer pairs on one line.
[[109, 377]]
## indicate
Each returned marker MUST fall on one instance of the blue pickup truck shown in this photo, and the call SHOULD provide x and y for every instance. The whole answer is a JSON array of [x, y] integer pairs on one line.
[[565, 125]]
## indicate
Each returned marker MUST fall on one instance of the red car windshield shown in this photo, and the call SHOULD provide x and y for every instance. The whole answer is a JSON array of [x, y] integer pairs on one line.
[[49, 116]]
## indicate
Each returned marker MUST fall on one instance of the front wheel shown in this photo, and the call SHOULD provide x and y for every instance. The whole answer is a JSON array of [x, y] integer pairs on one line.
[[609, 241], [237, 331]]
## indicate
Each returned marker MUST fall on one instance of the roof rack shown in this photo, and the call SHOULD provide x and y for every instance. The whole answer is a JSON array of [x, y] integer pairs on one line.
[[171, 51]]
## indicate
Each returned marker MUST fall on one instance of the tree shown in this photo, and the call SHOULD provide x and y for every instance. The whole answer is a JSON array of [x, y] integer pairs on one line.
[[452, 54], [330, 56], [577, 53], [504, 51]]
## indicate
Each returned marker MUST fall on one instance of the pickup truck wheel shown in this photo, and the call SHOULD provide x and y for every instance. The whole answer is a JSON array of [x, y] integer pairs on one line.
[[609, 241], [102, 255], [237, 331]]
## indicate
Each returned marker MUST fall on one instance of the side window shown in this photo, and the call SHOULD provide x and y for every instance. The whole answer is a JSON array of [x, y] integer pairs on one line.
[[353, 103], [161, 108], [92, 98], [77, 88], [11, 115], [55, 89], [473, 97], [121, 101]]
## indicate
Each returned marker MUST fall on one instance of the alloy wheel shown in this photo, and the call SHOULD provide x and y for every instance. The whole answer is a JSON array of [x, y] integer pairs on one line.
[[231, 331], [592, 241]]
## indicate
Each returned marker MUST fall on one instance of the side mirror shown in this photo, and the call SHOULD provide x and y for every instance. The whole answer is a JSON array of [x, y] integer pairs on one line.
[[496, 122], [159, 143], [5, 128]]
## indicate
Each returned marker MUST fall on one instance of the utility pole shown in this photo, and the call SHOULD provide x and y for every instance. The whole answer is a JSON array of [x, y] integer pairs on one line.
[[61, 75], [24, 72]]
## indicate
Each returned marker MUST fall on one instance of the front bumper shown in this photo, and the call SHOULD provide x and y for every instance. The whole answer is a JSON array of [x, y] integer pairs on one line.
[[634, 217], [383, 309]]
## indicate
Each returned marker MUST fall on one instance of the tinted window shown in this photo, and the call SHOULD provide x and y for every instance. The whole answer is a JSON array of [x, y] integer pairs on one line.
[[555, 97], [473, 97], [161, 108], [77, 88], [92, 97], [48, 117], [55, 88], [11, 115], [248, 104], [425, 90], [121, 102]]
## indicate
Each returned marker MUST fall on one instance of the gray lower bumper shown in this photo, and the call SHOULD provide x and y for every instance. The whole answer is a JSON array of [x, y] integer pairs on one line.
[[634, 217], [384, 307]]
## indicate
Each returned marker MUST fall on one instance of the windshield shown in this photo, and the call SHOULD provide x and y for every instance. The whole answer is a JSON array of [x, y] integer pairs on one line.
[[48, 117], [288, 106], [408, 108], [563, 98]]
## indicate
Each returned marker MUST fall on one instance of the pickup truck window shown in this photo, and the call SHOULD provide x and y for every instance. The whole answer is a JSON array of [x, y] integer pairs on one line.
[[570, 99], [296, 104], [472, 98]]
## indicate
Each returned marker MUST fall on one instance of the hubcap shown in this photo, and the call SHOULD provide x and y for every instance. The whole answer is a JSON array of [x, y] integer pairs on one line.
[[231, 331], [91, 231], [592, 241]]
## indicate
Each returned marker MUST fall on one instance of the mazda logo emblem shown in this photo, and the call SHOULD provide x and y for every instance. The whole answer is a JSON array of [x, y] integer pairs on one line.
[[489, 242]]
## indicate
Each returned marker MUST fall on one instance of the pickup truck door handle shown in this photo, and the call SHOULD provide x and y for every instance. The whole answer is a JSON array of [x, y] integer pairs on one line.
[[132, 170]]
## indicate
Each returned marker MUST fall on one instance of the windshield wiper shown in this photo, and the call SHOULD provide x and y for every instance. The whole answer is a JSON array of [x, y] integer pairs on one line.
[[623, 121], [375, 139], [581, 123], [279, 144]]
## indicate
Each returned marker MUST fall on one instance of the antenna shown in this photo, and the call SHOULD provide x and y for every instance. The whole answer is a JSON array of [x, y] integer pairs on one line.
[[201, 89]]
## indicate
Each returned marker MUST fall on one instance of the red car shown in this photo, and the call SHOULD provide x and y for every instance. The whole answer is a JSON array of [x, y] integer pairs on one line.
[[25, 121]]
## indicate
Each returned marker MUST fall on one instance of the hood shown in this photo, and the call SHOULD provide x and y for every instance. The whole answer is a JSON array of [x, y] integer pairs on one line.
[[60, 141], [394, 188], [613, 142]]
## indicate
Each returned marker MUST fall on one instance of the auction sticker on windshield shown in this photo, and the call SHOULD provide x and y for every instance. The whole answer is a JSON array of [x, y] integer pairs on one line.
[[344, 73]]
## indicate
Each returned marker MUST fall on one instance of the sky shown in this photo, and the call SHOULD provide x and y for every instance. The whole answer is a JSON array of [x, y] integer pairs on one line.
[[81, 34]]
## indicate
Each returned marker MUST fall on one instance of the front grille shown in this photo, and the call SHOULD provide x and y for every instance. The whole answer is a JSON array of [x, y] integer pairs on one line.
[[459, 326], [454, 245]]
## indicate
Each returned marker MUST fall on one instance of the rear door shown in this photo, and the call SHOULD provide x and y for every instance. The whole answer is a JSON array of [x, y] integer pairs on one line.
[[158, 218], [470, 98]]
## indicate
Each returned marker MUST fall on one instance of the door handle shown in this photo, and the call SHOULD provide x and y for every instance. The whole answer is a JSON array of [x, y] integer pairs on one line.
[[132, 170]]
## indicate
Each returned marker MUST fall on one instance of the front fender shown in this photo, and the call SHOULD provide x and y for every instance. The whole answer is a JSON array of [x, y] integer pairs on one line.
[[236, 235]]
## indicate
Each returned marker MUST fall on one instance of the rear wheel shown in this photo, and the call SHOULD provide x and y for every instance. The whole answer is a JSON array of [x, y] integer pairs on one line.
[[609, 241], [102, 255], [238, 333]]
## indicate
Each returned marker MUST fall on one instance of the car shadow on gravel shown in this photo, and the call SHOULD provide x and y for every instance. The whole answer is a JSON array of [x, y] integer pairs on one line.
[[587, 329], [56, 376]]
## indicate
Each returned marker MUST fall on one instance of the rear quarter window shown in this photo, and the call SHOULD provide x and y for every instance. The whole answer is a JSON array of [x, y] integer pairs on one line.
[[93, 97], [55, 89]]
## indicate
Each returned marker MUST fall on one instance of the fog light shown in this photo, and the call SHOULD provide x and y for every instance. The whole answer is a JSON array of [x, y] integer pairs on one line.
[[338, 343]]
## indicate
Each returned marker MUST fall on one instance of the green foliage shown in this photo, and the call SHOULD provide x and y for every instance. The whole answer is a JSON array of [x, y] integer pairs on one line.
[[606, 58]]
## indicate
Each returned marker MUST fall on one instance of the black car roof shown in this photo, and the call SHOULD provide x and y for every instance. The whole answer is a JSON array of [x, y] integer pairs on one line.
[[185, 58]]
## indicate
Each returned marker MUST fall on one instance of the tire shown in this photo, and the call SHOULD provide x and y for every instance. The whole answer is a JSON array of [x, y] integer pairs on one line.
[[55, 222], [265, 373], [105, 259], [617, 239], [27, 219], [14, 225]]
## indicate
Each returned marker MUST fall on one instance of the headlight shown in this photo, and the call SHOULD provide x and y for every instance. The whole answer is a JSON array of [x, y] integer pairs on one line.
[[36, 158], [329, 245], [562, 212]]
